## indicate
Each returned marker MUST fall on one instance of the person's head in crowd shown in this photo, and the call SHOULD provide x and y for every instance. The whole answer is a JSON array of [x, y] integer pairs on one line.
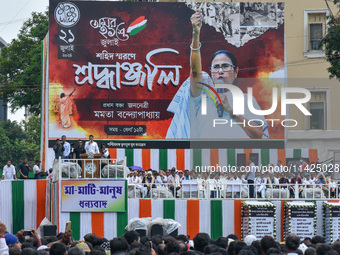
[[135, 246], [249, 239], [231, 247], [161, 249], [173, 172], [332, 252], [29, 251], [92, 238], [273, 251], [266, 243], [156, 240], [182, 238], [239, 246], [27, 244], [211, 248], [76, 251], [318, 239], [310, 251], [257, 245], [14, 251], [222, 242], [132, 237], [252, 249], [118, 245], [58, 249], [144, 240], [182, 245], [44, 252], [307, 241], [142, 251], [168, 239], [201, 240], [98, 251], [323, 249], [233, 236], [12, 241], [51, 239], [336, 246], [292, 243], [246, 252], [172, 247]]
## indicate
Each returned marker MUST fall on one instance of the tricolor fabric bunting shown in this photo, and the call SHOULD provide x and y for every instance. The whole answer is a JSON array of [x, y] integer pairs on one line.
[[183, 159], [22, 204]]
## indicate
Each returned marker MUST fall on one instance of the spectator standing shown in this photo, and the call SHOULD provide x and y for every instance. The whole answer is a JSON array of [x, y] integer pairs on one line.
[[36, 170], [250, 177], [9, 171], [58, 149], [67, 147], [24, 168], [79, 150]]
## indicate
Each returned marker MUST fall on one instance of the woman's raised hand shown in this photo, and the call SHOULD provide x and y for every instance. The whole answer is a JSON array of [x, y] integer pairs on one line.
[[196, 21]]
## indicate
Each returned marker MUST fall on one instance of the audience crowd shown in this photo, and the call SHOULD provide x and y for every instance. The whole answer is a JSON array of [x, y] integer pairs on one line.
[[132, 243]]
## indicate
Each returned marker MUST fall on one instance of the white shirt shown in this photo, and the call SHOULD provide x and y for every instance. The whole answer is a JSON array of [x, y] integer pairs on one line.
[[8, 172], [3, 247], [36, 169], [67, 147], [91, 148]]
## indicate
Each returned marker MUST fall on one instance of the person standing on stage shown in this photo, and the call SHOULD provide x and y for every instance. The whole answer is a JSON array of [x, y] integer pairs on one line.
[[91, 146]]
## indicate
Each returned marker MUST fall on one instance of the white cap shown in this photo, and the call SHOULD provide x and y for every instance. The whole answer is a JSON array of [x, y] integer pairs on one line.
[[303, 247], [149, 172], [249, 239]]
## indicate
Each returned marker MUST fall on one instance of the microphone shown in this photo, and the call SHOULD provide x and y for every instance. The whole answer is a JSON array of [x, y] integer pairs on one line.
[[220, 107]]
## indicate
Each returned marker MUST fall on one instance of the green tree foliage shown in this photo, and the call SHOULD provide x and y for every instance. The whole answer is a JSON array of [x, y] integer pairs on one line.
[[20, 65], [332, 43], [19, 141]]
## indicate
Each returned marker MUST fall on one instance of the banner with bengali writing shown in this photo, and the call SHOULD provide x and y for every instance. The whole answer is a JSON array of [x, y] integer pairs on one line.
[[93, 196], [116, 69]]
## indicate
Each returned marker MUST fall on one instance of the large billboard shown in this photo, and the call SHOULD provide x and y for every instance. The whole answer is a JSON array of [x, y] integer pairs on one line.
[[149, 72]]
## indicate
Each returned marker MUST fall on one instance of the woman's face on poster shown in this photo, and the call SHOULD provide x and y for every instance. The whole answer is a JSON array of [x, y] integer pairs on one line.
[[227, 76]]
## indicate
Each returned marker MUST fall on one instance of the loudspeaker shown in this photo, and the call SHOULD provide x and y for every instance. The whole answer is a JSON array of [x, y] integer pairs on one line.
[[49, 230], [156, 230]]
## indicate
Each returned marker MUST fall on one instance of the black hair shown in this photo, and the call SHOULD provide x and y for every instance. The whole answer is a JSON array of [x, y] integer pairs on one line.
[[91, 238], [231, 248], [172, 247], [75, 251], [62, 95], [229, 55], [58, 249], [252, 249], [273, 251], [323, 249], [131, 236], [97, 251], [233, 236], [222, 242], [209, 249], [292, 242], [246, 252], [257, 245], [267, 242], [29, 251], [14, 251], [239, 246], [201, 240], [318, 239], [310, 251], [118, 245]]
